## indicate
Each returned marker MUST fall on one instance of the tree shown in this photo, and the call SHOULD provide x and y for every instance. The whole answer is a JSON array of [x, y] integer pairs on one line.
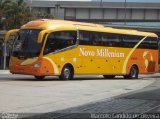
[[43, 15], [3, 5], [17, 14], [14, 13]]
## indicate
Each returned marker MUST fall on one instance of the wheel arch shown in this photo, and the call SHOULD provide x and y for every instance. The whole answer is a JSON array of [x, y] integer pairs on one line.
[[131, 67]]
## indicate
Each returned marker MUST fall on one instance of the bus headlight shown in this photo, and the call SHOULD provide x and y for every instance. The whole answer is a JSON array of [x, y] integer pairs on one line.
[[37, 65]]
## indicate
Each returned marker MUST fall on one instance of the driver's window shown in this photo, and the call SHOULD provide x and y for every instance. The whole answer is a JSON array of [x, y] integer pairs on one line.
[[59, 40]]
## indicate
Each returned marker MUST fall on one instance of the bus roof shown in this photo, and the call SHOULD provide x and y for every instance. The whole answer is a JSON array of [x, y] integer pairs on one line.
[[52, 24]]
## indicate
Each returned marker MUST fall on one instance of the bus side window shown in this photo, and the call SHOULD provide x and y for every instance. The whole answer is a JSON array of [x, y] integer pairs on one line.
[[50, 44], [84, 38], [121, 42], [154, 44], [95, 38], [158, 40], [104, 41], [65, 39], [111, 40], [149, 43], [114, 39], [130, 41], [59, 40]]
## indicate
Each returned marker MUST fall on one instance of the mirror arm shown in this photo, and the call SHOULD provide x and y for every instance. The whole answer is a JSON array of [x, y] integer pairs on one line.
[[8, 34]]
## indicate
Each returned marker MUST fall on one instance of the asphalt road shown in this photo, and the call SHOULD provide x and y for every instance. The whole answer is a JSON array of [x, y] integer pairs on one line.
[[139, 104], [83, 97]]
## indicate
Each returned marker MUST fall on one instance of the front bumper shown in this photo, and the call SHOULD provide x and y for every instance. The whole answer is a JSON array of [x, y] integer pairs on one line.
[[45, 68]]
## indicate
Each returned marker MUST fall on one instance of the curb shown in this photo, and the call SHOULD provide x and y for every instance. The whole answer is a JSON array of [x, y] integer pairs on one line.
[[4, 72]]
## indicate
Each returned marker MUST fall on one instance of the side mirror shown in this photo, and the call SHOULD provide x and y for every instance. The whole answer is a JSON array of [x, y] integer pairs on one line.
[[9, 33], [41, 35]]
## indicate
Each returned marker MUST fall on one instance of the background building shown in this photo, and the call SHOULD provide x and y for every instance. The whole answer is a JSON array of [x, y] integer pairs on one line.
[[137, 14], [132, 12]]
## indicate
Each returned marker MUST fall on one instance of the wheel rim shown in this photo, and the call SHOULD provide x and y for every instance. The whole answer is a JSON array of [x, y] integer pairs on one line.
[[134, 73], [66, 73]]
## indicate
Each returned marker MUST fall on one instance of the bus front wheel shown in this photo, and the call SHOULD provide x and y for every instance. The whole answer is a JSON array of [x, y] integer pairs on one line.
[[39, 77], [67, 73], [133, 73]]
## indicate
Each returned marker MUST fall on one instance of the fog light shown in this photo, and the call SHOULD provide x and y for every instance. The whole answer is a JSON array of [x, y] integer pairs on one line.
[[38, 65]]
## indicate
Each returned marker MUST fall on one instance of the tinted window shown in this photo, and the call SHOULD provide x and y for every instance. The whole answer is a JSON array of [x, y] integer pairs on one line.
[[153, 43], [84, 38], [130, 40], [158, 44], [112, 40], [59, 40], [89, 38], [95, 38], [149, 43], [26, 45], [115, 40]]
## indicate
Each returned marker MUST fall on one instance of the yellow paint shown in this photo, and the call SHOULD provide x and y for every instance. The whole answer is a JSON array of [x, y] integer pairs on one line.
[[29, 61]]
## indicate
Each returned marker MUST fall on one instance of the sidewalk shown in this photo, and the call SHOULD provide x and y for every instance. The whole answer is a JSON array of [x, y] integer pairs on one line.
[[4, 72]]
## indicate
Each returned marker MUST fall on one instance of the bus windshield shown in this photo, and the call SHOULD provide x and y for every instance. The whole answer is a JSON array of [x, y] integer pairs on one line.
[[26, 46]]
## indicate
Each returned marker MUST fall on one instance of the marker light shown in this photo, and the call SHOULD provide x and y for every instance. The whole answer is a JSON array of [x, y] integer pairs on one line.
[[38, 65]]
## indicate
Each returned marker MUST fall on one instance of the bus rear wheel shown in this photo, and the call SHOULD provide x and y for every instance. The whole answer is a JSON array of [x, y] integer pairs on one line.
[[67, 73], [108, 76], [133, 73], [39, 77]]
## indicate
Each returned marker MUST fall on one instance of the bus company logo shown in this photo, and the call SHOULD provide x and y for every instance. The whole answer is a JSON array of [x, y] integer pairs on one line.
[[101, 53]]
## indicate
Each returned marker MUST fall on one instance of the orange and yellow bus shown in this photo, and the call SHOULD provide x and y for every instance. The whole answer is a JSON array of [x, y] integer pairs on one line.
[[66, 48]]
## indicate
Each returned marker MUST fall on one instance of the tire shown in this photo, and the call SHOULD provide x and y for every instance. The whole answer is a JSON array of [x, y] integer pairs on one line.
[[126, 76], [108, 76], [39, 77], [67, 73], [133, 74]]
